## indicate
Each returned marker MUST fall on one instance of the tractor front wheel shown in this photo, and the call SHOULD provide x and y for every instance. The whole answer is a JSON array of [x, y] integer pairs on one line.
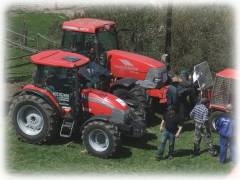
[[101, 139], [34, 120]]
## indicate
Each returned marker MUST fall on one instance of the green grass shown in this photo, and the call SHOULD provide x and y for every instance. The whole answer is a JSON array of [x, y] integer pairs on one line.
[[136, 156]]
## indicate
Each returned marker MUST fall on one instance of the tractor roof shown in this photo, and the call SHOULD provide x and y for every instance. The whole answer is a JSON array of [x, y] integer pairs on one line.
[[59, 58], [229, 73], [87, 25]]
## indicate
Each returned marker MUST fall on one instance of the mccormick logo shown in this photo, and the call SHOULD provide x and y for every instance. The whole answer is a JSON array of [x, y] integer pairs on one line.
[[126, 62], [126, 65]]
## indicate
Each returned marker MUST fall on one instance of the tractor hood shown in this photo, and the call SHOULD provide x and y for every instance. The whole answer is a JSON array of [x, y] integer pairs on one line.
[[103, 99], [127, 64]]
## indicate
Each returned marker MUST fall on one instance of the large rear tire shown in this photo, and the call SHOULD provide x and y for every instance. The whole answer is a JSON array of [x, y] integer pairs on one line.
[[136, 98], [34, 120], [101, 139]]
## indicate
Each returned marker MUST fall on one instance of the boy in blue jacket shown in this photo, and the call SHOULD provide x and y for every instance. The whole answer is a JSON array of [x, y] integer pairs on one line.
[[224, 127]]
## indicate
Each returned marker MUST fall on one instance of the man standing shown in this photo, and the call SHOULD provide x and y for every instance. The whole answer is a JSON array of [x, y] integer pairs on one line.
[[224, 127], [200, 116], [171, 128]]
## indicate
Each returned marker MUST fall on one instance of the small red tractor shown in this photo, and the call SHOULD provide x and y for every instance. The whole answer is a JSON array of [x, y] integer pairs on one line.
[[59, 98], [130, 74], [220, 92], [223, 92]]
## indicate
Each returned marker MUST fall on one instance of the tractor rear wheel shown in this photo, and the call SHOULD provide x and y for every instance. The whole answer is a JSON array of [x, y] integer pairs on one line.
[[140, 94], [34, 120], [101, 139], [212, 119], [136, 98]]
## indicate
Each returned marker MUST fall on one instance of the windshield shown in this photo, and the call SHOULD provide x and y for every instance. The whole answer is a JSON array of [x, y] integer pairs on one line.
[[78, 42], [107, 40]]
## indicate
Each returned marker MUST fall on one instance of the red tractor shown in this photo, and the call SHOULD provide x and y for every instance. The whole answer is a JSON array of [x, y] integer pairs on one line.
[[223, 92], [130, 75], [220, 92], [59, 98]]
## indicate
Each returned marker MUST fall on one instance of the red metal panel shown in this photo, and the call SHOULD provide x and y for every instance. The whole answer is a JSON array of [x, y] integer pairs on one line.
[[96, 109], [217, 107], [229, 73], [43, 91], [131, 65], [56, 58], [88, 25], [159, 93], [103, 99]]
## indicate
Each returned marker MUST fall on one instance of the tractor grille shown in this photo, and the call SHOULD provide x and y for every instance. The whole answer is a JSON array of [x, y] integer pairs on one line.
[[222, 91], [204, 75]]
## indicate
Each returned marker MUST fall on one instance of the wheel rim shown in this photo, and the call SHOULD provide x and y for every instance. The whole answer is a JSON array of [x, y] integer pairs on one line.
[[98, 140], [30, 120]]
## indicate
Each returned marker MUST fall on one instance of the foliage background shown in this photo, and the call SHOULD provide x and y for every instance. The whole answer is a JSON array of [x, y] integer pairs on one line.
[[198, 33]]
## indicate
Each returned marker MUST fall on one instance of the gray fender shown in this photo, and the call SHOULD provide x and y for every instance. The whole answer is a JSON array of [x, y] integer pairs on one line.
[[123, 83]]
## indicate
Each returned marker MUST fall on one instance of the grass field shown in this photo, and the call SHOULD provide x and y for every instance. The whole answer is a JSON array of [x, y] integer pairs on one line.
[[69, 156], [136, 156]]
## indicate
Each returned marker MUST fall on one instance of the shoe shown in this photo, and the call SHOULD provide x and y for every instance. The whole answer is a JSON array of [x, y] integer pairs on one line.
[[170, 157], [213, 152], [195, 154], [158, 158]]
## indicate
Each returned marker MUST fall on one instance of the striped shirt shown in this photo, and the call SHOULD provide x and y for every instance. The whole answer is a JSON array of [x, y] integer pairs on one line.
[[199, 113]]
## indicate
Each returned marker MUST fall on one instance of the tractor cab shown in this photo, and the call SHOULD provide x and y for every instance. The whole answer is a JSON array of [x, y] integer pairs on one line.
[[90, 37], [57, 71]]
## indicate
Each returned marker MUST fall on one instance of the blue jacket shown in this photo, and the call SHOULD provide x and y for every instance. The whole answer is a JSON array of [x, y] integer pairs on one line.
[[224, 125]]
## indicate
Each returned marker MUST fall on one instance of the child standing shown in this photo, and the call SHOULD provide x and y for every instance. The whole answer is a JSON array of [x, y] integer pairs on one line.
[[170, 128]]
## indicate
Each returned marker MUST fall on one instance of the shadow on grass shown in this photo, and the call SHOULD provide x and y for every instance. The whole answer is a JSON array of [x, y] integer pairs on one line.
[[153, 120], [123, 152], [189, 126], [141, 143], [183, 152]]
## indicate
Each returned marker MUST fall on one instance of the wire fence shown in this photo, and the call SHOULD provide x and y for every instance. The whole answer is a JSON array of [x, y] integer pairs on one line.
[[24, 42]]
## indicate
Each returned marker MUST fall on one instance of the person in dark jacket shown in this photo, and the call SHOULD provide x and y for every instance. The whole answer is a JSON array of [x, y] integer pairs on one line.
[[171, 128], [180, 88], [224, 127]]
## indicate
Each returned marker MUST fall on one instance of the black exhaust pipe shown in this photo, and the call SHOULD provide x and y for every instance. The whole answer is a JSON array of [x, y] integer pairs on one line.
[[168, 40]]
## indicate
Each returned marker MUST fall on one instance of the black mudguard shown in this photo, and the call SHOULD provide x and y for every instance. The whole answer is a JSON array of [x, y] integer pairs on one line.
[[124, 83]]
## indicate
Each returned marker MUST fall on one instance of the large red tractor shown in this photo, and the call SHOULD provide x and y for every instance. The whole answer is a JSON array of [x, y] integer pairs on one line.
[[59, 98], [130, 74]]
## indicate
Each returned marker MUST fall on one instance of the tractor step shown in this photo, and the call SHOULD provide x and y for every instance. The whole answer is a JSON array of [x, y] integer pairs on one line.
[[66, 129]]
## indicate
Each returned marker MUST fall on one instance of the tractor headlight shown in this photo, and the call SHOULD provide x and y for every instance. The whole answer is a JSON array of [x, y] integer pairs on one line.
[[157, 76], [157, 80]]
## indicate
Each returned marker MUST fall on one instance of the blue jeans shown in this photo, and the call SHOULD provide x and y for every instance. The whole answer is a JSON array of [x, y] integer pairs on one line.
[[225, 143], [166, 135]]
